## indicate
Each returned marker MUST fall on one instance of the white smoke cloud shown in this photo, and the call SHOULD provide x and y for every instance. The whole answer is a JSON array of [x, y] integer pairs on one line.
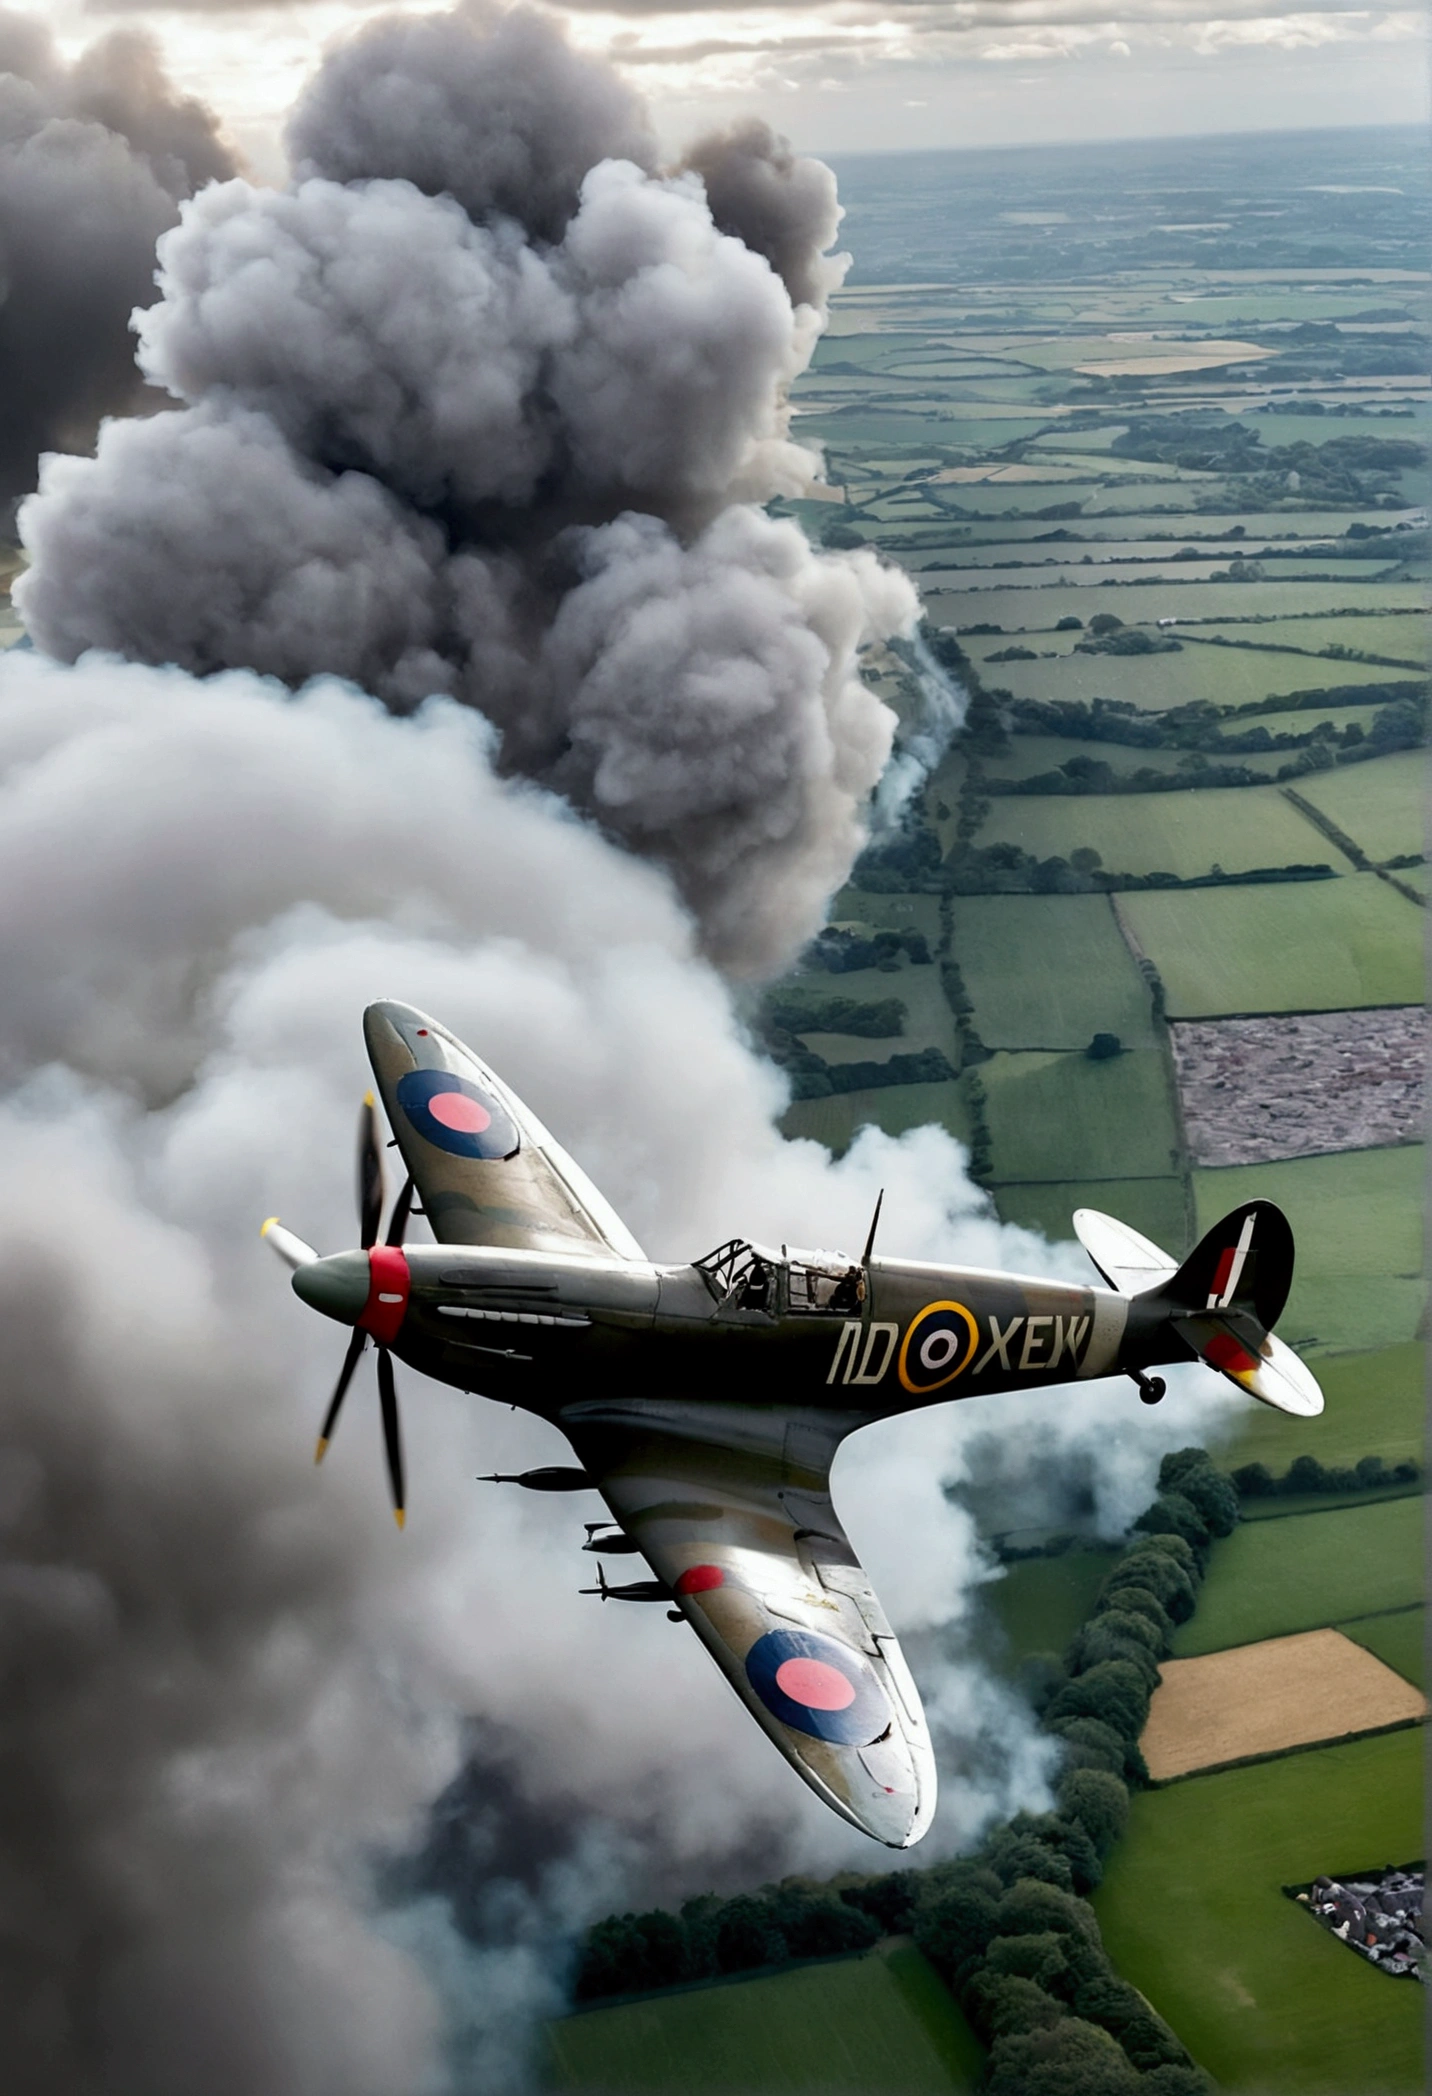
[[231, 1682]]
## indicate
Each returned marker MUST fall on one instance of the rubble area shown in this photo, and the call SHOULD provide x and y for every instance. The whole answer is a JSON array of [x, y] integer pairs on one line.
[[1301, 1084], [1378, 1914]]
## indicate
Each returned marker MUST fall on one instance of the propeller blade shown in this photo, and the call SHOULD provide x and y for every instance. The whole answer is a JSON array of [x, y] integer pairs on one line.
[[291, 1250], [392, 1439], [345, 1376], [370, 1175], [402, 1209]]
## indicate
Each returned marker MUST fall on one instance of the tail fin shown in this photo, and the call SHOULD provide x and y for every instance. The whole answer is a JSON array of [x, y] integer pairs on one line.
[[1227, 1296], [1243, 1267], [1223, 1301]]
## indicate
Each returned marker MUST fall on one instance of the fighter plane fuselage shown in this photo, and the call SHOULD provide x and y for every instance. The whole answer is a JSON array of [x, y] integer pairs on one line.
[[546, 1332]]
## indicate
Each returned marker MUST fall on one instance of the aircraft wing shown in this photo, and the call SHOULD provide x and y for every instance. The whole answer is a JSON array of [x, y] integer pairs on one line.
[[485, 1169], [731, 1507]]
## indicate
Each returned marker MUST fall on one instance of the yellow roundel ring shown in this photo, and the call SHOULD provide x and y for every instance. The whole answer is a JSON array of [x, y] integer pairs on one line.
[[939, 1346]]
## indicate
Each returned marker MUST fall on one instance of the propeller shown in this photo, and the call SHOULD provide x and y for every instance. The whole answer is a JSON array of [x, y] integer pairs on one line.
[[295, 1253], [370, 1176]]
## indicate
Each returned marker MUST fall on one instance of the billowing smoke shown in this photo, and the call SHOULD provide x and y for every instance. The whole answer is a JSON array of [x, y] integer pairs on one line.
[[230, 1684], [485, 404], [94, 158]]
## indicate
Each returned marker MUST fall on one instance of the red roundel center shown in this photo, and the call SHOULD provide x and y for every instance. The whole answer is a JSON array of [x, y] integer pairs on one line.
[[700, 1579], [812, 1682], [455, 1110]]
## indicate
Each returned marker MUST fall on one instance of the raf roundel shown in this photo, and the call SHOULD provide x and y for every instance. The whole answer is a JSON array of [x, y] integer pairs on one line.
[[818, 1687], [939, 1346], [454, 1114]]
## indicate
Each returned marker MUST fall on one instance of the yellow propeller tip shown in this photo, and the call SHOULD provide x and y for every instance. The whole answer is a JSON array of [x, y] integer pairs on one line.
[[400, 1517], [268, 1225], [321, 1451], [367, 1098]]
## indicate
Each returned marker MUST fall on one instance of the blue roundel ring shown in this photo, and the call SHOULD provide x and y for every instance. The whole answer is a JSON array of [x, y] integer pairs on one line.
[[454, 1114], [818, 1687]]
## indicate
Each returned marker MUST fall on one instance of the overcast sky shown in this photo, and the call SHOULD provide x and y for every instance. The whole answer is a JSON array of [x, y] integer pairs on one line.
[[857, 75]]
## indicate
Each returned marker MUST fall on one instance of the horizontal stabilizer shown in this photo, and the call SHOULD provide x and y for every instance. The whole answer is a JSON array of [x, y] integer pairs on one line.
[[1264, 1367], [1127, 1261]]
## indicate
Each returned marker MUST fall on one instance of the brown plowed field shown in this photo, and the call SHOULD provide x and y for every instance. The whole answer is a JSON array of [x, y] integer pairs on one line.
[[1264, 1698]]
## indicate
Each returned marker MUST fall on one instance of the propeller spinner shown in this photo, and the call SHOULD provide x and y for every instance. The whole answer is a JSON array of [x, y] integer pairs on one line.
[[367, 1289]]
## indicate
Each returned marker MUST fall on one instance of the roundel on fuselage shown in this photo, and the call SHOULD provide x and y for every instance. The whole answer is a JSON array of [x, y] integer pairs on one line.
[[818, 1687], [939, 1346], [454, 1114]]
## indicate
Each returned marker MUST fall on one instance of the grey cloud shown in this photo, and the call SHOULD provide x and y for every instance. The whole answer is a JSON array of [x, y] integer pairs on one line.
[[781, 204], [495, 109], [93, 159], [434, 454]]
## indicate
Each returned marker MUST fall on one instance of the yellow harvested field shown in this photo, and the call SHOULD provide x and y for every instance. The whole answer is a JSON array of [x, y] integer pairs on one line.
[[1151, 361], [1262, 1699]]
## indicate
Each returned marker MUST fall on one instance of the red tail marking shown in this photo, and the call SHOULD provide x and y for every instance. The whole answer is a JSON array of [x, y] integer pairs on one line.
[[1225, 1352]]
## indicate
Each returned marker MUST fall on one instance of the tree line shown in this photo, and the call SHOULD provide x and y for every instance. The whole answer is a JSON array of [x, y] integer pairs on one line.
[[1009, 1929]]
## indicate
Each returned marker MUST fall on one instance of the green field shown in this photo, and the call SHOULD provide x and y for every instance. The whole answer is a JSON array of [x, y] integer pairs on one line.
[[858, 906], [1155, 1207], [1290, 947], [1041, 1601], [1186, 834], [929, 1022], [1381, 805], [1357, 1225], [1376, 1406], [1033, 610], [895, 1107], [1048, 971], [1223, 676], [1052, 1114], [1399, 1639], [880, 2023], [1401, 634], [1270, 1578], [1193, 1913]]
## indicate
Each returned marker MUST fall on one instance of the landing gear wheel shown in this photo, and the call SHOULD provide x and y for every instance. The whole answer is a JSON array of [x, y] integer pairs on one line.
[[1151, 1388]]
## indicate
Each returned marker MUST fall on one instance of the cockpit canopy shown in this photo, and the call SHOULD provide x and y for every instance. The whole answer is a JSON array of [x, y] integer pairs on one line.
[[746, 1276]]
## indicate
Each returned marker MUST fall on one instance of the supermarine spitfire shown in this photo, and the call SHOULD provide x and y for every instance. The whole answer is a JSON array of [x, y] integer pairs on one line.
[[705, 1402]]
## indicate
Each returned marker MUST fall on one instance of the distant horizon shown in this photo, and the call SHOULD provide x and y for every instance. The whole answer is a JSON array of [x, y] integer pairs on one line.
[[1105, 144]]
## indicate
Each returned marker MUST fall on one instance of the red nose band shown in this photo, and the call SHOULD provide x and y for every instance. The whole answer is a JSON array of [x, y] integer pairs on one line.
[[388, 1284]]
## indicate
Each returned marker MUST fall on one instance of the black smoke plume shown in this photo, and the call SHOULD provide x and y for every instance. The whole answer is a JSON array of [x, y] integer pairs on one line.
[[94, 160], [485, 404]]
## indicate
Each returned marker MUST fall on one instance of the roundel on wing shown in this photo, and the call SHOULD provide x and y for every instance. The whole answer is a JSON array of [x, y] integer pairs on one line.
[[816, 1686], [939, 1345], [454, 1114]]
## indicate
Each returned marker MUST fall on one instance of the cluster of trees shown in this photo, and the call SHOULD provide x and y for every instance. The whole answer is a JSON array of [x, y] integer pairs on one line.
[[1307, 1474], [867, 1020], [812, 1077], [1200, 732], [1007, 869], [1343, 470], [1009, 1929], [634, 1953], [1407, 693], [842, 952]]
